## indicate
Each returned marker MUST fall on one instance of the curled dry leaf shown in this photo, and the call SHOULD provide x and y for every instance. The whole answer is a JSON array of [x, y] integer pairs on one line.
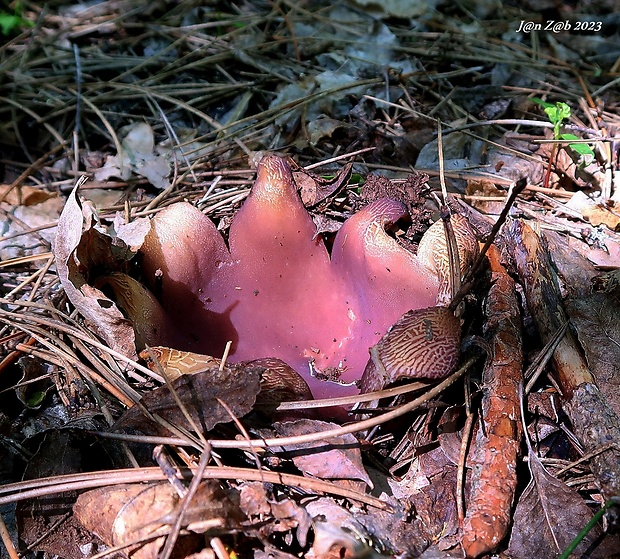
[[80, 251], [314, 188], [237, 385], [140, 515]]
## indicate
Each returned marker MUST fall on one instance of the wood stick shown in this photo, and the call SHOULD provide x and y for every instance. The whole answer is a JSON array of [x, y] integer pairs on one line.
[[594, 421], [495, 449]]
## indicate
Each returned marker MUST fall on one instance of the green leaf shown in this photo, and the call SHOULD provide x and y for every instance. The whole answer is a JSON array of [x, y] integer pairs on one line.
[[555, 113], [35, 399], [581, 149], [563, 110], [8, 23], [356, 178], [541, 102]]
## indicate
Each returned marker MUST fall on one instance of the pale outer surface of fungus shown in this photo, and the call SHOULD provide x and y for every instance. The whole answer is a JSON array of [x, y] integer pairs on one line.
[[275, 291]]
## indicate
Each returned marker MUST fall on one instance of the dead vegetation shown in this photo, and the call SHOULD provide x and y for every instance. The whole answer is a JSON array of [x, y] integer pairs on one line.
[[147, 104]]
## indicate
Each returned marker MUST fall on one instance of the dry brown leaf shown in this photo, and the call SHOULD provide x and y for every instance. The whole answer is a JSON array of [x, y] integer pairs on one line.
[[314, 188], [80, 251], [135, 513], [597, 322], [285, 513], [24, 195], [600, 215], [338, 458], [237, 385], [428, 488], [548, 517], [127, 514]]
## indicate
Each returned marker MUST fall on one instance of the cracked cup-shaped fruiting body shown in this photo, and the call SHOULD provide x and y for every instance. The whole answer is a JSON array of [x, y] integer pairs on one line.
[[275, 291]]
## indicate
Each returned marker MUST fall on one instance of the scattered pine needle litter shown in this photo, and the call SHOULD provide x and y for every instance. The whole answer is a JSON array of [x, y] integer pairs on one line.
[[148, 104]]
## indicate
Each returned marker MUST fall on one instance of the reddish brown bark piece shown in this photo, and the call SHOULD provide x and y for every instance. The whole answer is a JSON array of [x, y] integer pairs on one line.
[[594, 421], [496, 449]]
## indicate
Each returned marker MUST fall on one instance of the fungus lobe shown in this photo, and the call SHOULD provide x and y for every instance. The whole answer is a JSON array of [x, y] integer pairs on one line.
[[275, 291]]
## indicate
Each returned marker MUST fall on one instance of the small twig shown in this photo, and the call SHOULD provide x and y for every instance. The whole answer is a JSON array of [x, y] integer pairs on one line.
[[538, 365], [78, 109], [462, 465], [442, 178], [219, 549], [6, 540], [186, 501], [467, 283], [225, 354]]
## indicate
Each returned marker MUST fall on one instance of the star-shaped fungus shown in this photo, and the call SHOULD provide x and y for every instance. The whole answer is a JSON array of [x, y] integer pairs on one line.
[[275, 291]]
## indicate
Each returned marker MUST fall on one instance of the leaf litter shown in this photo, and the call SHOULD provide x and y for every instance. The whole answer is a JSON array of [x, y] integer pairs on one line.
[[173, 115]]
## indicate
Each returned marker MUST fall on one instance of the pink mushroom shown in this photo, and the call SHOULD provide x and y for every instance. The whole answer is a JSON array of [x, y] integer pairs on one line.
[[275, 292]]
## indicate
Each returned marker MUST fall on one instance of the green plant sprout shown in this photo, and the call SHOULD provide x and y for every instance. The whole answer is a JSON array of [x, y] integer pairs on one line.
[[11, 22], [557, 114]]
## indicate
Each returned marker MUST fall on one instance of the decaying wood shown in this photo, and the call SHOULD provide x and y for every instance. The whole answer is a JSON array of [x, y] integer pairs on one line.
[[495, 449], [593, 420], [544, 303]]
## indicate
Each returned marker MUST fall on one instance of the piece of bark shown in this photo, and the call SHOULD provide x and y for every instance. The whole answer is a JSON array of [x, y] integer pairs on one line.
[[593, 420], [495, 449], [541, 293]]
